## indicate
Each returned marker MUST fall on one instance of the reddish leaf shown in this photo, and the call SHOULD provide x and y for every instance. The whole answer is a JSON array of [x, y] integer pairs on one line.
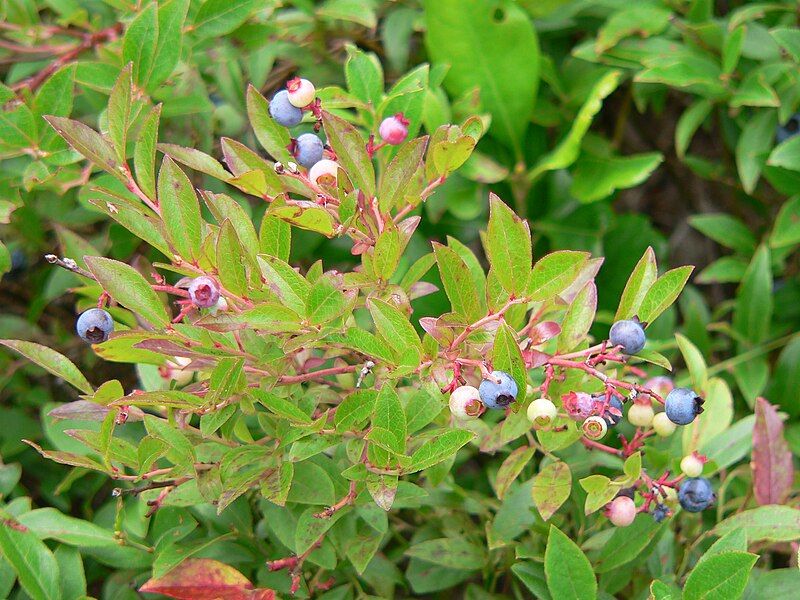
[[773, 471], [205, 579]]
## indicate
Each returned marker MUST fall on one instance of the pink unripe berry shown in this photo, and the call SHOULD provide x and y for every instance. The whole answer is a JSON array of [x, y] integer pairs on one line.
[[594, 427], [204, 292], [465, 403], [661, 385], [541, 413], [394, 130], [692, 465], [663, 426], [175, 370], [579, 405], [324, 172], [301, 92], [641, 415], [621, 511]]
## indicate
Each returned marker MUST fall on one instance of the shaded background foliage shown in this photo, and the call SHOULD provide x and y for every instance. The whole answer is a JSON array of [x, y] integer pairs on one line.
[[611, 127]]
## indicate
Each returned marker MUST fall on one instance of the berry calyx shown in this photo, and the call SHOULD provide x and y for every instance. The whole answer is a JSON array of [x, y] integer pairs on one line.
[[663, 426], [465, 403], [621, 511], [696, 494], [308, 150], [594, 427], [579, 405], [641, 414], [394, 130], [94, 325], [682, 405], [283, 111], [692, 465], [541, 413], [300, 92], [629, 334], [613, 412], [499, 390], [204, 292], [324, 172]]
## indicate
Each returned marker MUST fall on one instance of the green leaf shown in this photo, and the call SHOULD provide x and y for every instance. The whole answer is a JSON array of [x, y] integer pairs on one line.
[[732, 48], [47, 358], [721, 577], [551, 488], [355, 11], [351, 152], [753, 145], [694, 362], [481, 43], [663, 293], [578, 319], [754, 301], [281, 407], [119, 112], [127, 286], [273, 137], [458, 284], [171, 17], [786, 230], [725, 230], [641, 280], [716, 418], [219, 17], [87, 142], [140, 43], [393, 325], [364, 75], [180, 210], [51, 524], [386, 255], [388, 416], [72, 578], [453, 553], [766, 523], [595, 177], [325, 301], [231, 259], [508, 246], [511, 468], [292, 288], [642, 21], [568, 149], [437, 449], [554, 273], [628, 543], [507, 356], [789, 39], [689, 122], [306, 215], [195, 159], [275, 237], [355, 409], [144, 153], [34, 564], [394, 181], [569, 574]]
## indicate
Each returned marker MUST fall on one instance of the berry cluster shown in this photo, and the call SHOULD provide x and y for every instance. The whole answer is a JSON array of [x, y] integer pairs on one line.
[[599, 412]]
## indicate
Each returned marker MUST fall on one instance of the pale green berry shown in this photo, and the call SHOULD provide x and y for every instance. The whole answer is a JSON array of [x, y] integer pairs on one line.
[[691, 466], [541, 413], [465, 403], [663, 426], [641, 415]]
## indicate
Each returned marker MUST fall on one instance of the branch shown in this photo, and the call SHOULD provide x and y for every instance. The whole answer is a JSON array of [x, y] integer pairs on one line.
[[69, 265]]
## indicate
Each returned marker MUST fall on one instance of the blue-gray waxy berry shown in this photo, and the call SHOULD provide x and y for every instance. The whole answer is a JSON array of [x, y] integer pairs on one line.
[[789, 129], [696, 494], [282, 110], [628, 334], [94, 326], [308, 150], [498, 395], [682, 405], [660, 512]]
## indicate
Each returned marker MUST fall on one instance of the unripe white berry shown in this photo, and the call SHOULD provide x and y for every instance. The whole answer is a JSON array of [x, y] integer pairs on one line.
[[324, 171], [691, 466], [641, 415], [621, 511], [301, 92], [465, 403], [663, 426], [595, 427], [541, 413]]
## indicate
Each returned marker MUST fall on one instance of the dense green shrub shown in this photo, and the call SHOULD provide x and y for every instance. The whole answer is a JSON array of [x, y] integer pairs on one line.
[[297, 437]]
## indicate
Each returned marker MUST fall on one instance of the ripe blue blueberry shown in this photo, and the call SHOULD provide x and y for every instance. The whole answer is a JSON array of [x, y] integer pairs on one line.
[[282, 110], [696, 494], [308, 150], [682, 405], [789, 129], [660, 512], [94, 326], [611, 418], [498, 395], [629, 334]]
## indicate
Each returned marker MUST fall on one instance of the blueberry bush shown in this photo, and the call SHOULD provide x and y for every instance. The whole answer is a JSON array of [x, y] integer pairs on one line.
[[432, 298]]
